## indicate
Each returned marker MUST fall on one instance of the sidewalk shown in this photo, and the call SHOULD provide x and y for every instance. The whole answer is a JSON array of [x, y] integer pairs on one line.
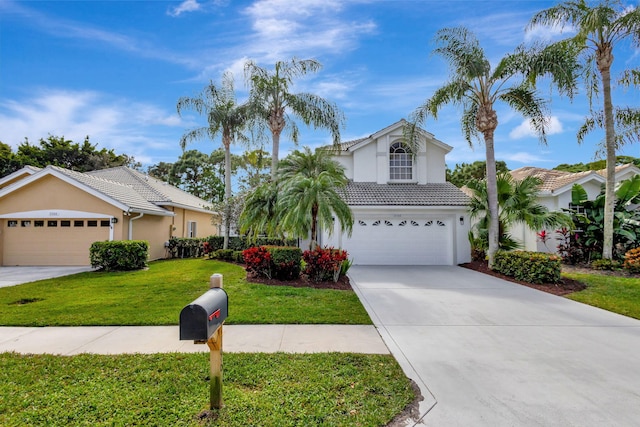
[[164, 339]]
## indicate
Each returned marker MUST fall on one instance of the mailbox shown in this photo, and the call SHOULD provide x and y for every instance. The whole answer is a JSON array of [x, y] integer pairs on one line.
[[200, 319]]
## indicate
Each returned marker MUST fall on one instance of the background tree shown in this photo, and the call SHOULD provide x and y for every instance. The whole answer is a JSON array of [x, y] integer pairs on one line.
[[598, 30], [308, 198], [194, 173], [270, 92], [476, 86], [255, 165], [162, 171], [465, 172], [596, 165], [225, 116], [8, 161]]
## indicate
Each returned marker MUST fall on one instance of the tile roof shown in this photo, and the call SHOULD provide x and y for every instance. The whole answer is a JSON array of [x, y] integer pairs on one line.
[[551, 179], [152, 189], [373, 194], [344, 146]]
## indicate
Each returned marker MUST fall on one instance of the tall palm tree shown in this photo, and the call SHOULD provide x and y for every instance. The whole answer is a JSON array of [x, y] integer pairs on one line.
[[477, 87], [270, 93], [599, 29], [225, 116], [308, 183], [518, 204]]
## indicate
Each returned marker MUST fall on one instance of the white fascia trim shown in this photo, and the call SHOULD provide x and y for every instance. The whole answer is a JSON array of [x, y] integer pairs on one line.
[[24, 170], [148, 212], [189, 208], [408, 208], [55, 213], [585, 179], [48, 171]]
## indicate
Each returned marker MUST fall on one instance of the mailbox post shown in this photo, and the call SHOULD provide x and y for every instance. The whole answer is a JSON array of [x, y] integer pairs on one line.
[[201, 321]]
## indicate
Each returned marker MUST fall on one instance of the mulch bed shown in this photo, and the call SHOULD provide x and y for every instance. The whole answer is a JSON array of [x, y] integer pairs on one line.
[[342, 284], [566, 286]]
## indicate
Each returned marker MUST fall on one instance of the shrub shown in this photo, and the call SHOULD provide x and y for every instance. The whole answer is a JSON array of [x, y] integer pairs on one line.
[[241, 243], [570, 246], [532, 267], [285, 262], [223, 254], [238, 257], [605, 264], [324, 264], [120, 255], [632, 261], [258, 261], [187, 247]]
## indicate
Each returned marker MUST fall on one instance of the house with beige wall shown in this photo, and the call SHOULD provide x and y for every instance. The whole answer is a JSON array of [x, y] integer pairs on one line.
[[51, 216]]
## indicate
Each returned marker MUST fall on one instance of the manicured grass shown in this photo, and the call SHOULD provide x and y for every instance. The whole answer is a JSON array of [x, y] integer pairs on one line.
[[618, 294], [173, 390], [156, 296]]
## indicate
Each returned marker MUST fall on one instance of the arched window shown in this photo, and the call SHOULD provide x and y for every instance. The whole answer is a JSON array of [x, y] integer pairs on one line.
[[400, 162]]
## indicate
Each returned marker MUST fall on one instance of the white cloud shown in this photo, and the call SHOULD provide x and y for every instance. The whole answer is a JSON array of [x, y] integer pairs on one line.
[[547, 33], [521, 157], [525, 129], [185, 6]]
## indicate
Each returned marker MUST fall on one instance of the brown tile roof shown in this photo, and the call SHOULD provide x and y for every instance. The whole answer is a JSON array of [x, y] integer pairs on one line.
[[551, 179], [373, 194]]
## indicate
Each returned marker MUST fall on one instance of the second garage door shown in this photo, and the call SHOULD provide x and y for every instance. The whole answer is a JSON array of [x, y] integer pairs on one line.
[[405, 241]]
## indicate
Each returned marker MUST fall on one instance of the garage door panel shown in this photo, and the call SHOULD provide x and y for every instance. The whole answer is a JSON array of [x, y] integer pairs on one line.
[[411, 241]]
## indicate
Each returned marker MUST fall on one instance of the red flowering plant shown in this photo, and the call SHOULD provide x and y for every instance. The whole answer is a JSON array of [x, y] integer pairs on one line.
[[324, 264], [258, 261]]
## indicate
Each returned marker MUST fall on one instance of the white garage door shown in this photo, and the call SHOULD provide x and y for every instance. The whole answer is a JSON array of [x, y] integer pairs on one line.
[[405, 241]]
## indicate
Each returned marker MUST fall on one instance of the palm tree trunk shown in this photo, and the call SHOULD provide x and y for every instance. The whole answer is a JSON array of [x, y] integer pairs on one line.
[[314, 227], [227, 193], [274, 154], [604, 65], [492, 196]]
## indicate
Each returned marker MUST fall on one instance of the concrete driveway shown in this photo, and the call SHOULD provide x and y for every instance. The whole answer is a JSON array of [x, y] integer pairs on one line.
[[11, 276], [487, 352]]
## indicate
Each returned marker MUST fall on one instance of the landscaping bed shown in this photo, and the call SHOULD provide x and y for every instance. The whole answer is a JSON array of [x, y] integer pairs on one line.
[[303, 281]]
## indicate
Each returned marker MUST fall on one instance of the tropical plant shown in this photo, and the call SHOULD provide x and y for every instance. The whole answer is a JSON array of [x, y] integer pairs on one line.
[[225, 116], [589, 222], [517, 202], [273, 101], [465, 172], [260, 215], [477, 87], [598, 29], [308, 183]]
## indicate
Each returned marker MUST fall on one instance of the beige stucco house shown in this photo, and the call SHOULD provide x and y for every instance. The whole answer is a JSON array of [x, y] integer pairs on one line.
[[51, 216]]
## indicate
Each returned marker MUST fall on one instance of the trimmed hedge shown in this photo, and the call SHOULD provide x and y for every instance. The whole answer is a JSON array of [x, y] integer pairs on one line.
[[119, 255], [532, 267], [285, 262], [183, 247], [241, 243]]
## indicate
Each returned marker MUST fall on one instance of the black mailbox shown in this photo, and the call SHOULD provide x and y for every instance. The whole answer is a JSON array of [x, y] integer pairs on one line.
[[200, 319]]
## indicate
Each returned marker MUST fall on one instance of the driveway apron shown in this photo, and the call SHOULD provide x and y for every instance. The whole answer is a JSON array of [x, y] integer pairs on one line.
[[487, 352]]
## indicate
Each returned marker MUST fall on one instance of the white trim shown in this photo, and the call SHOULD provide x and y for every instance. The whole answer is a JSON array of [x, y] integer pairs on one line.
[[187, 207], [27, 170], [55, 213]]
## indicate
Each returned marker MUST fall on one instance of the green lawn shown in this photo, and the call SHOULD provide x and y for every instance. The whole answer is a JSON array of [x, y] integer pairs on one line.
[[172, 390], [156, 296], [618, 294]]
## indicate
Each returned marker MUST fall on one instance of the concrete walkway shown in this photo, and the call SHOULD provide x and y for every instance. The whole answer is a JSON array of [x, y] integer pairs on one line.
[[11, 276], [487, 352]]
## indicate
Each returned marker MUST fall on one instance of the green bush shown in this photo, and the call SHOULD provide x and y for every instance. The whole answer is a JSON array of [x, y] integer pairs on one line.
[[119, 255], [285, 262], [238, 257], [193, 247], [223, 254], [605, 264], [241, 243], [632, 260], [532, 267]]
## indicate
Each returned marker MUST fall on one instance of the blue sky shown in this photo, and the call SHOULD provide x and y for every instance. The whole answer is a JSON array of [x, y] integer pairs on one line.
[[114, 70]]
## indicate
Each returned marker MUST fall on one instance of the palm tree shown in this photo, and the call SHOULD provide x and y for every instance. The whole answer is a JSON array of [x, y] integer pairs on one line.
[[224, 115], [308, 198], [477, 87], [598, 30], [517, 201], [271, 96]]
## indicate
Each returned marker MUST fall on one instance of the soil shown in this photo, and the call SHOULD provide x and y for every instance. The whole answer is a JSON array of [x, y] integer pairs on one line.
[[342, 284]]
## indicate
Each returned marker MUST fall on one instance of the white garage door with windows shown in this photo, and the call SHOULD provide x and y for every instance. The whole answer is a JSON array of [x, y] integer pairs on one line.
[[420, 240]]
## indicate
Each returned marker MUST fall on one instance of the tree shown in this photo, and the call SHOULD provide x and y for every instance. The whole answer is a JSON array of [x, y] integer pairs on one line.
[[162, 171], [225, 116], [596, 165], [8, 161], [465, 172], [272, 99], [518, 204], [255, 164], [194, 173], [598, 30], [476, 86], [308, 198]]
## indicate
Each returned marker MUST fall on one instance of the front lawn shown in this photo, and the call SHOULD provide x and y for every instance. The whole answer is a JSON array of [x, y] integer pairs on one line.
[[156, 296], [618, 294], [173, 390]]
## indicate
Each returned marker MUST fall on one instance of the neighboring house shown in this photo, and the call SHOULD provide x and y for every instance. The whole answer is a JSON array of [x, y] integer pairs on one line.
[[405, 213], [555, 194], [51, 216]]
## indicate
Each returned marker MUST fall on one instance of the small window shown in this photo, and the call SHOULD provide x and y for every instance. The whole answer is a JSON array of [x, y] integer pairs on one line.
[[440, 224], [376, 223], [387, 223], [92, 223], [429, 223], [415, 224], [191, 229], [26, 223], [362, 223], [105, 223], [578, 209], [400, 162], [78, 223], [12, 223], [402, 223], [52, 223], [38, 223], [65, 223]]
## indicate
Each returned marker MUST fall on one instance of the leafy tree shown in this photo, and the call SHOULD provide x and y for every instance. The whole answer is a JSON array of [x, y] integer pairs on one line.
[[162, 171], [598, 30], [518, 204], [260, 214], [477, 87], [225, 116], [308, 184], [272, 100], [597, 165], [255, 165], [193, 172], [8, 161], [465, 172]]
